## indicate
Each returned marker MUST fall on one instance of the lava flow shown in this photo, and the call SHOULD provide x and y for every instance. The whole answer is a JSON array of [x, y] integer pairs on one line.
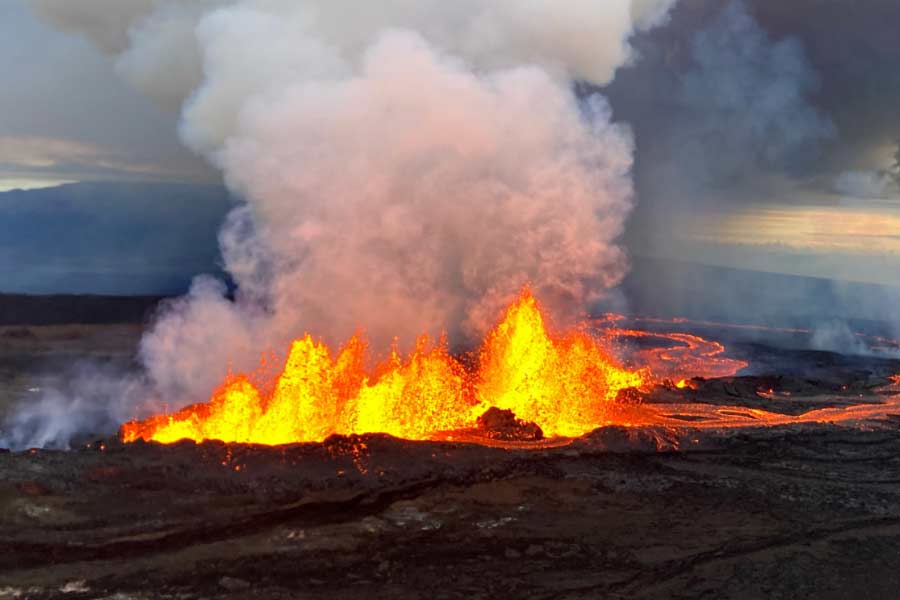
[[566, 383]]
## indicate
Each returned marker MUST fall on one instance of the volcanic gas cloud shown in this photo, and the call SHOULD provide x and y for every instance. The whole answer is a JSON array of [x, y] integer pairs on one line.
[[405, 168]]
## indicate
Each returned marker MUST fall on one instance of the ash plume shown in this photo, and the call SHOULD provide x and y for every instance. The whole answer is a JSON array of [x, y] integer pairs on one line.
[[407, 165]]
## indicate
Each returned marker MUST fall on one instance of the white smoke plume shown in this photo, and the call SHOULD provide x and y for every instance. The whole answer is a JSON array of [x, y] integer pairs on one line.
[[407, 164], [96, 400]]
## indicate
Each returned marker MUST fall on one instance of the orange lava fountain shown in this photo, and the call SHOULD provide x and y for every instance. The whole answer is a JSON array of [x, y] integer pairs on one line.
[[563, 383]]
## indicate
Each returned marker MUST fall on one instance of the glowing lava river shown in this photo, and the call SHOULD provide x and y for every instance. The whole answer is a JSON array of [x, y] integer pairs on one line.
[[567, 383]]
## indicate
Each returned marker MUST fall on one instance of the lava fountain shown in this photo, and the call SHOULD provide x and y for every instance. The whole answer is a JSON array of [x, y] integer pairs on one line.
[[566, 383]]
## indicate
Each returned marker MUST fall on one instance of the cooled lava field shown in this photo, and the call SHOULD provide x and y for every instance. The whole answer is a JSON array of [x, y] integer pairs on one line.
[[771, 485]]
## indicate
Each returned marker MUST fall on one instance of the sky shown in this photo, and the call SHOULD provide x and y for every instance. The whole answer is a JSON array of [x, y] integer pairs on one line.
[[764, 131], [66, 116]]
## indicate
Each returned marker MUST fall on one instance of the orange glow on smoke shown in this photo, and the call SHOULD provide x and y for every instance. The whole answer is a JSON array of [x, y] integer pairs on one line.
[[565, 383]]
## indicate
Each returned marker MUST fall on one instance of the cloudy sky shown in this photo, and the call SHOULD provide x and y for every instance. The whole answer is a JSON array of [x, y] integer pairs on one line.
[[766, 137], [66, 116], [765, 132]]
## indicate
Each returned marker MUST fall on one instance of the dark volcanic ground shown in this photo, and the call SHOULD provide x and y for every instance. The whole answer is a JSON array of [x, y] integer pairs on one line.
[[806, 512], [800, 511]]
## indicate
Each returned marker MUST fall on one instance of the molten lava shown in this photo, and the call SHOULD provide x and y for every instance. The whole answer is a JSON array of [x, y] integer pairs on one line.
[[567, 384]]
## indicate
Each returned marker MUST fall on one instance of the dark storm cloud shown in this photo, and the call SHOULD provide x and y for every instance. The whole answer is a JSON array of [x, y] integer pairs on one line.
[[856, 49], [754, 101], [745, 98], [721, 103], [742, 109]]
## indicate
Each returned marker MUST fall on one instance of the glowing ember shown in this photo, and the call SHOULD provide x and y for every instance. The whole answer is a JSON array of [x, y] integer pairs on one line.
[[564, 383]]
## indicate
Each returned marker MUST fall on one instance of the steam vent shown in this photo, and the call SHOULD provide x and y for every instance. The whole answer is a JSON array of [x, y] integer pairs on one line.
[[547, 299]]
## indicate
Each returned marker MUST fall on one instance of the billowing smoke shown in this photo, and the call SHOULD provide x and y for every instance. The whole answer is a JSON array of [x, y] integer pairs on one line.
[[96, 400], [733, 111], [750, 99], [407, 164]]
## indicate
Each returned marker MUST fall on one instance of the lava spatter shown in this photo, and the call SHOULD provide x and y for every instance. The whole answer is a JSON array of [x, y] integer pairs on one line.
[[566, 383]]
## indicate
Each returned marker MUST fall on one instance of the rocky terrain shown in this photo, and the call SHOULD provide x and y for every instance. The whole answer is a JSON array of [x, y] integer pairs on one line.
[[25, 310], [806, 510], [784, 483]]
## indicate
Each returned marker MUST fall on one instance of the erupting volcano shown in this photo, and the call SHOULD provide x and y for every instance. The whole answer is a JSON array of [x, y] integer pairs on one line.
[[566, 383], [333, 383]]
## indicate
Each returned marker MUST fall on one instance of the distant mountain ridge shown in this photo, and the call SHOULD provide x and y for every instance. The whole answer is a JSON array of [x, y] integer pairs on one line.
[[116, 238], [107, 252], [16, 309], [672, 288]]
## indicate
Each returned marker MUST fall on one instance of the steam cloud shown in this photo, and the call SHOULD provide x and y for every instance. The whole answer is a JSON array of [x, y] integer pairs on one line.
[[408, 164]]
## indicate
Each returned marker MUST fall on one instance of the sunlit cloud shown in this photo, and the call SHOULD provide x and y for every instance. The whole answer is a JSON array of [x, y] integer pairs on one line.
[[7, 184], [43, 152], [34, 161], [856, 229]]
